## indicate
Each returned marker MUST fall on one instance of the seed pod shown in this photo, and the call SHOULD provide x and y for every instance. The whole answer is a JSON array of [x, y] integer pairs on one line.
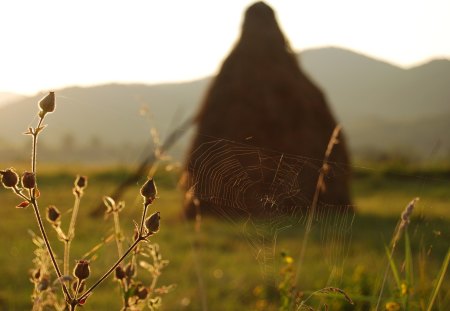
[[149, 191], [43, 284], [152, 223], [141, 292], [129, 270], [81, 182], [119, 274], [82, 270], [28, 180], [36, 274], [75, 285], [10, 179], [53, 215], [47, 104]]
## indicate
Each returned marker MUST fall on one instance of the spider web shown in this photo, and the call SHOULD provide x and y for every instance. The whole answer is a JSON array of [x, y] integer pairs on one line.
[[267, 189]]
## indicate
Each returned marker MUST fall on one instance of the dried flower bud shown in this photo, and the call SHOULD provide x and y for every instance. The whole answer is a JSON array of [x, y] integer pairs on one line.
[[75, 285], [43, 284], [119, 274], [149, 191], [81, 182], [129, 270], [47, 104], [141, 292], [28, 180], [53, 215], [82, 270], [36, 274], [10, 179], [152, 223]]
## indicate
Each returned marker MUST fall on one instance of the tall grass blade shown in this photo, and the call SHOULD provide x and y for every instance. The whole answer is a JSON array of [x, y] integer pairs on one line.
[[409, 269], [440, 279], [393, 268]]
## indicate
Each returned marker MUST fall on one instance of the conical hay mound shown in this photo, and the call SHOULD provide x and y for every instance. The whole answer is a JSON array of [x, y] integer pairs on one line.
[[262, 103]]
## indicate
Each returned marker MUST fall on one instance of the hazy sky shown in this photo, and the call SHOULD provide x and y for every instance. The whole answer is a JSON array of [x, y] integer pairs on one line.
[[47, 44]]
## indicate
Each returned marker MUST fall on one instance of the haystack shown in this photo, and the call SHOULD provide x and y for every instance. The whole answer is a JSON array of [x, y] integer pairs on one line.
[[261, 104]]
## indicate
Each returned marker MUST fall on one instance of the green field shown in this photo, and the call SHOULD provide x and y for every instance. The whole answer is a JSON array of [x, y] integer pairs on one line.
[[228, 265]]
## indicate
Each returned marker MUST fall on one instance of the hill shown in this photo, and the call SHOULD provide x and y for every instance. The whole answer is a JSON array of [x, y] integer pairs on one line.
[[382, 107]]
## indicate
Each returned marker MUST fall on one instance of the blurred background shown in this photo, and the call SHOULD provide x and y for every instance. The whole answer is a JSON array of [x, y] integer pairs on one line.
[[383, 66], [127, 74]]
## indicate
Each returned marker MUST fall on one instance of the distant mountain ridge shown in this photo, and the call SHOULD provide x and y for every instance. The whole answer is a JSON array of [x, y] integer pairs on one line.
[[381, 107]]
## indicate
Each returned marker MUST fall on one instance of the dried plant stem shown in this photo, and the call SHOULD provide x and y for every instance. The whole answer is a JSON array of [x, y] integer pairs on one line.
[[118, 233], [110, 270], [404, 221], [319, 186], [49, 248], [34, 146], [71, 233], [141, 225], [140, 238], [34, 203]]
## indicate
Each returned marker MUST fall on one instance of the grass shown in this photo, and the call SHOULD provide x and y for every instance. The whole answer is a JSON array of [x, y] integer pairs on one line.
[[232, 275]]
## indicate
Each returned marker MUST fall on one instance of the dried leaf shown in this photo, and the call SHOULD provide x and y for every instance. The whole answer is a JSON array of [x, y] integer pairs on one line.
[[23, 204], [39, 129], [29, 132]]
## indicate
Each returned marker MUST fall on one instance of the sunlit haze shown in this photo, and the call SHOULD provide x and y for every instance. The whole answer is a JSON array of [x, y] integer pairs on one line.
[[52, 44]]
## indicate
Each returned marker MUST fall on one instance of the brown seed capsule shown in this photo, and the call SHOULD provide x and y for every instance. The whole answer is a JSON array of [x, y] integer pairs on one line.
[[43, 284], [152, 223], [36, 274], [149, 191], [28, 180], [53, 215], [141, 292], [10, 179], [75, 285], [82, 270], [129, 270], [81, 182], [119, 274], [47, 104]]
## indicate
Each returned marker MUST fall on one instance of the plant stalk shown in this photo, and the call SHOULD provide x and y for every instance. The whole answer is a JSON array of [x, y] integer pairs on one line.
[[71, 233], [110, 270], [34, 203]]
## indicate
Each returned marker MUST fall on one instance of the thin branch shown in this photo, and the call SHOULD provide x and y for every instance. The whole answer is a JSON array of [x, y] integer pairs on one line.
[[49, 248], [113, 267], [34, 203], [71, 233]]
